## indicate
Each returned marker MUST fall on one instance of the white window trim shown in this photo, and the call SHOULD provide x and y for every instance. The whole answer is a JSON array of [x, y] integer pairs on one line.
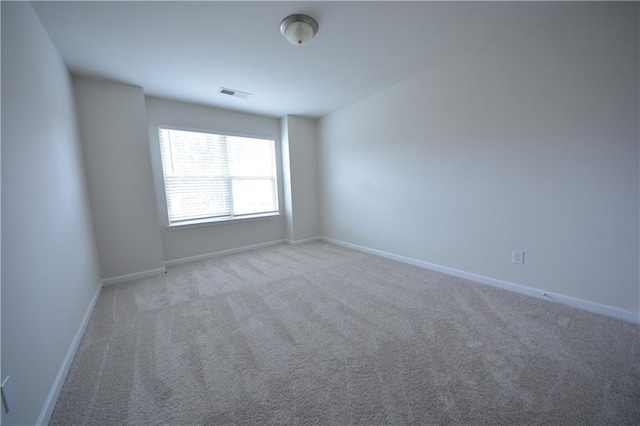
[[197, 223], [225, 221]]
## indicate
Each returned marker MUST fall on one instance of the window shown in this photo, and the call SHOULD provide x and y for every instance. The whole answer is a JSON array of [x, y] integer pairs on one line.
[[211, 177]]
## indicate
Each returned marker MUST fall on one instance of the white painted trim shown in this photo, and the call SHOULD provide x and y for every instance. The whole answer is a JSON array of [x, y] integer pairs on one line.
[[206, 256], [134, 276], [303, 241], [610, 311], [225, 221], [54, 392]]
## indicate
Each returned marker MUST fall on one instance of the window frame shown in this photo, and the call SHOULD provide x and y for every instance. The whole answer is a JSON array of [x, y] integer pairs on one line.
[[220, 219]]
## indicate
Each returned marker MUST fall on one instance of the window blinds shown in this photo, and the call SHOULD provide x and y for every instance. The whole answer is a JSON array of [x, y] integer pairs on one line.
[[211, 176]]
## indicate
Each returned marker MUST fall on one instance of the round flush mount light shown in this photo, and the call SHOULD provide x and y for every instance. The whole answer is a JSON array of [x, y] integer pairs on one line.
[[298, 29]]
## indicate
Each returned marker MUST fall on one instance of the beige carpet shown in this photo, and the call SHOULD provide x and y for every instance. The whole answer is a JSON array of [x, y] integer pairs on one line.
[[319, 334]]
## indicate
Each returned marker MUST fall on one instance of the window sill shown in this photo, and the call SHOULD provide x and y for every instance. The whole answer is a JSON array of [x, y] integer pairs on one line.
[[221, 221]]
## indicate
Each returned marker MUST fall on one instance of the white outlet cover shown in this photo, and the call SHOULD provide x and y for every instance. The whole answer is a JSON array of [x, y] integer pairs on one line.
[[517, 256]]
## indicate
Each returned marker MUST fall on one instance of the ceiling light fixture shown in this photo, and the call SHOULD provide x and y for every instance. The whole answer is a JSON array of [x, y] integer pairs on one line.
[[298, 29]]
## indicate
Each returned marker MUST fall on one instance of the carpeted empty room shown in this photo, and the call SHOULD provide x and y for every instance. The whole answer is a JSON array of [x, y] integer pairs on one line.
[[321, 334], [319, 212]]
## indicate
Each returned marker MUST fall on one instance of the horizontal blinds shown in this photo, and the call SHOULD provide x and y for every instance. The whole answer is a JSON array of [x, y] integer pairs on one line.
[[216, 176]]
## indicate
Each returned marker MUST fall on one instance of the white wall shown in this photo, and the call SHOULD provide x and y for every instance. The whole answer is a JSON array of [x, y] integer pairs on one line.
[[1, 410], [196, 241], [50, 269], [112, 121], [299, 147], [526, 143], [287, 195]]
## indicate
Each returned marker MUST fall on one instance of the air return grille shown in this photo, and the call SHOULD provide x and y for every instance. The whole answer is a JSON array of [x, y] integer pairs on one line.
[[233, 92]]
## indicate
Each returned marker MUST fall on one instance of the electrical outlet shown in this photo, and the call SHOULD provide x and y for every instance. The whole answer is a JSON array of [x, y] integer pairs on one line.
[[7, 394], [517, 256]]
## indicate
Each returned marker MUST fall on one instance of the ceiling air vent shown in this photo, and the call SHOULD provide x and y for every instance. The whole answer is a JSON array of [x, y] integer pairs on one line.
[[232, 92]]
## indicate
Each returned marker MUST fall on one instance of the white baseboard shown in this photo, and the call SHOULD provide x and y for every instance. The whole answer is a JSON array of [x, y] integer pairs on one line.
[[303, 241], [610, 311], [133, 277], [52, 398], [221, 253]]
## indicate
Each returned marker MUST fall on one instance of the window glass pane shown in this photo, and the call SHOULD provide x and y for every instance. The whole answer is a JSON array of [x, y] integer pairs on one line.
[[193, 153], [212, 176], [197, 198], [250, 157], [253, 196]]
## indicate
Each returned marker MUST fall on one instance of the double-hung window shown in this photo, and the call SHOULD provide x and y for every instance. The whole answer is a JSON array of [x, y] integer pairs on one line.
[[211, 177]]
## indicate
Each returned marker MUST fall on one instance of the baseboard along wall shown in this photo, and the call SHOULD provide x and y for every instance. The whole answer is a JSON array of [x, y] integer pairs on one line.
[[586, 305], [132, 277], [206, 256], [610, 311], [303, 241], [52, 398]]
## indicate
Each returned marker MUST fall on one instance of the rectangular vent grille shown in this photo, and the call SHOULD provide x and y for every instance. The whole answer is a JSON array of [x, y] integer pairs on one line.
[[232, 92]]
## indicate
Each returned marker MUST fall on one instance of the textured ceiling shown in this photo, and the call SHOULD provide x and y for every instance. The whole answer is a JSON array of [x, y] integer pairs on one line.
[[188, 50]]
